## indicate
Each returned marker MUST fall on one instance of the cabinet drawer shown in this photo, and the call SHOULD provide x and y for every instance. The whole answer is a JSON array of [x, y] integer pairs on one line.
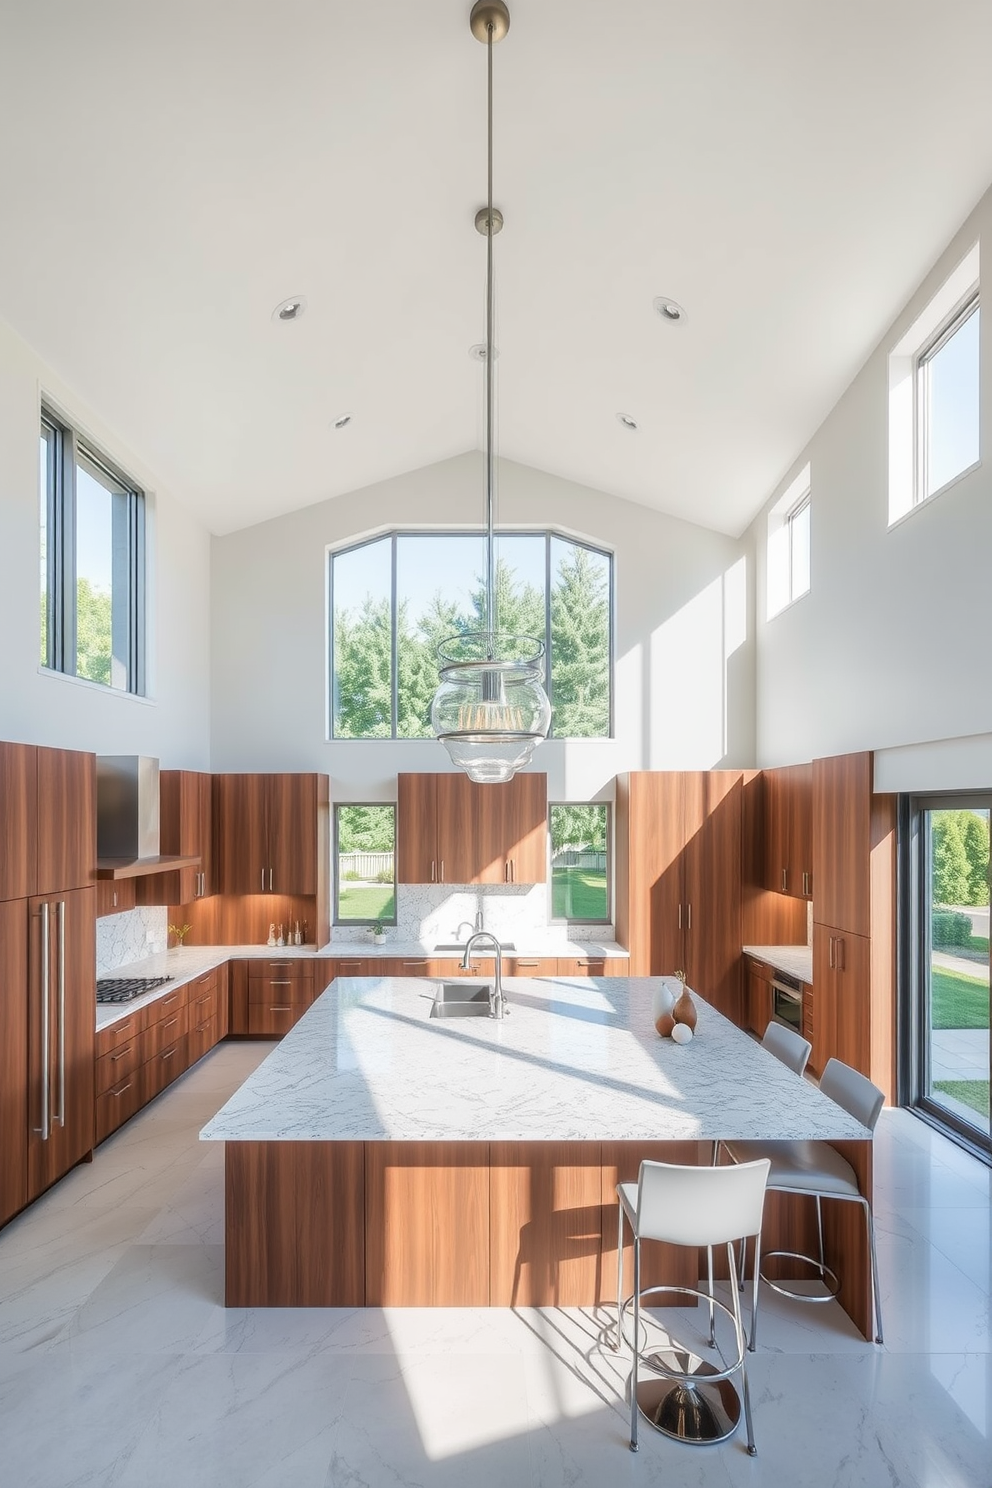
[[200, 1040], [594, 966], [287, 969], [203, 1002], [165, 1007], [162, 1034], [167, 1065], [118, 1104], [275, 1018], [115, 1034], [112, 1068], [531, 966], [278, 990]]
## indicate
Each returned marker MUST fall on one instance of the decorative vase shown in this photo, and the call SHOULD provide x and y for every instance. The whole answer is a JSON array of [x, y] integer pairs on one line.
[[684, 1010], [663, 1001]]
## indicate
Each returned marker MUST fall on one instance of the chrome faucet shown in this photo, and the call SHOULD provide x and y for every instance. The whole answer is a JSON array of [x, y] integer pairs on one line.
[[478, 920], [497, 999]]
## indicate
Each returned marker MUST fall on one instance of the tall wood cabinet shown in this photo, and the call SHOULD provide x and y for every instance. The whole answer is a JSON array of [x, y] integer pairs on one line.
[[854, 918], [678, 878], [788, 822], [451, 830], [13, 1057], [270, 833], [186, 830]]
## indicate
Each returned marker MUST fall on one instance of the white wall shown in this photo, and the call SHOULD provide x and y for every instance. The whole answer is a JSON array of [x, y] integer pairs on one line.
[[42, 708], [890, 649], [684, 674]]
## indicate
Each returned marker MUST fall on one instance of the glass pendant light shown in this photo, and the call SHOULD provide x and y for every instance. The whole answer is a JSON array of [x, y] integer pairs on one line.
[[490, 710]]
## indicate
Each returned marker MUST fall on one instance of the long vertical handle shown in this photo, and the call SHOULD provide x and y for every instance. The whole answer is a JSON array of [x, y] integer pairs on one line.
[[60, 921], [688, 917], [263, 880], [442, 870], [680, 917], [45, 1129], [270, 880], [433, 870], [785, 879], [830, 950]]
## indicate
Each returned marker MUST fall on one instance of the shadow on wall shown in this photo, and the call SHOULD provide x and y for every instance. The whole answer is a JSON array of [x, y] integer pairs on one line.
[[694, 679]]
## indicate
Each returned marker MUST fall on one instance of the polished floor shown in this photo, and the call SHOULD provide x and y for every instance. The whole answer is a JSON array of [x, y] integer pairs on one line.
[[120, 1368]]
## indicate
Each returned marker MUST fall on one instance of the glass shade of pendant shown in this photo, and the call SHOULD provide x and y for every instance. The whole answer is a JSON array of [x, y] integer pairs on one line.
[[490, 710]]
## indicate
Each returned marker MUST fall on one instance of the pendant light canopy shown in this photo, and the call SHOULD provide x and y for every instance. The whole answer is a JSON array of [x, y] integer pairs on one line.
[[490, 710]]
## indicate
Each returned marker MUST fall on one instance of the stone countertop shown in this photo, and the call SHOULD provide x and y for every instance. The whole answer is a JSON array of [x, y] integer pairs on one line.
[[415, 950], [577, 1059], [182, 963], [796, 961]]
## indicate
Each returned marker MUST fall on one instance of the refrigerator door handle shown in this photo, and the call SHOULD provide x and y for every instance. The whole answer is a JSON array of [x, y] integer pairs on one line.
[[60, 921], [45, 1129]]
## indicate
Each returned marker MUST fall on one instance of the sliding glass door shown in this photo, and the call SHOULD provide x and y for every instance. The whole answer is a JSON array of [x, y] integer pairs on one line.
[[952, 961]]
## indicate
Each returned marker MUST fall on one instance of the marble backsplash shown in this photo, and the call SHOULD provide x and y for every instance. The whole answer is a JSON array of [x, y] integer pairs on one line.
[[127, 937], [432, 913]]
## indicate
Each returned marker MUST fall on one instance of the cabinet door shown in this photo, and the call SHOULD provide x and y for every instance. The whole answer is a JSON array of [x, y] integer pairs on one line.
[[186, 829], [778, 864], [712, 823], [66, 820], [655, 871], [525, 828], [469, 838], [200, 809], [841, 841], [18, 812], [62, 961], [240, 847], [416, 828], [115, 895], [759, 1001], [842, 979], [13, 1057], [801, 828], [291, 826]]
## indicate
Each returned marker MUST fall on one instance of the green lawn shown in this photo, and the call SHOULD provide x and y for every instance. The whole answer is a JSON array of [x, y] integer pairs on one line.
[[366, 902], [958, 1001], [973, 1093], [578, 894]]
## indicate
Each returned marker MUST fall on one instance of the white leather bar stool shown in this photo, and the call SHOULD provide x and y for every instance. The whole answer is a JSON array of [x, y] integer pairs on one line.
[[685, 1396], [789, 1047], [817, 1169]]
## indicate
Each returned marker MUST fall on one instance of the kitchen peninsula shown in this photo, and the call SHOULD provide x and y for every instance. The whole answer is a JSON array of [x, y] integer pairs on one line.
[[379, 1157]]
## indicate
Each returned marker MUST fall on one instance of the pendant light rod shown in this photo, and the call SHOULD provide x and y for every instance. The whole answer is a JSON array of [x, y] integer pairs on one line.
[[490, 358]]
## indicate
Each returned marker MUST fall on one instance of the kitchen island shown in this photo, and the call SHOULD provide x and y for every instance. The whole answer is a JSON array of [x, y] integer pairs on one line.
[[381, 1157]]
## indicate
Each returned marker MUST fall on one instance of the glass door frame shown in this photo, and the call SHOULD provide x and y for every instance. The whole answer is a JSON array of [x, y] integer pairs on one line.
[[915, 946]]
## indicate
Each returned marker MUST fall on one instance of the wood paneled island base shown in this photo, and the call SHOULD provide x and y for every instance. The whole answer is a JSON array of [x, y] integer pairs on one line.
[[475, 1224]]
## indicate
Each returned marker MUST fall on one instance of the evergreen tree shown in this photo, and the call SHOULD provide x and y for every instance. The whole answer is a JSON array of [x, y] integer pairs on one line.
[[580, 646], [951, 869], [94, 632], [975, 833], [363, 704]]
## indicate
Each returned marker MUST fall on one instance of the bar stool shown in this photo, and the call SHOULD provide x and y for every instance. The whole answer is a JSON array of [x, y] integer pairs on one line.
[[686, 1397], [789, 1047], [817, 1169]]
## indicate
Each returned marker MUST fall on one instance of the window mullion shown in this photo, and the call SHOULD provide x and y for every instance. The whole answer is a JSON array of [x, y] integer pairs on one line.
[[394, 646], [548, 683], [67, 550]]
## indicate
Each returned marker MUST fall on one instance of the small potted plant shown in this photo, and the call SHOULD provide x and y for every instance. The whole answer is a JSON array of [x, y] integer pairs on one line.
[[377, 930], [180, 932]]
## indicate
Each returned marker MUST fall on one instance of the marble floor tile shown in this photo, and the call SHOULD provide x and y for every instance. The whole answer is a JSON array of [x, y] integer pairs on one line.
[[112, 1326]]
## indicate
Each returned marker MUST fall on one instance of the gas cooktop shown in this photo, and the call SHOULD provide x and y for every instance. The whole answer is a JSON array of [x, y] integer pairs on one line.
[[125, 989]]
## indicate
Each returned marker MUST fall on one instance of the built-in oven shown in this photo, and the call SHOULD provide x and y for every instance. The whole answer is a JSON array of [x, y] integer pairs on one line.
[[787, 1002]]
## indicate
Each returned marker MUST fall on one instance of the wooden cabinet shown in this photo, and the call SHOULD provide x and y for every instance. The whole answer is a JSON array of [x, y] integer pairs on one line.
[[854, 834], [809, 1026], [66, 820], [270, 833], [13, 1057], [788, 824], [186, 830], [590, 966], [18, 818], [532, 966], [758, 997], [451, 830], [115, 895], [679, 878], [61, 1002]]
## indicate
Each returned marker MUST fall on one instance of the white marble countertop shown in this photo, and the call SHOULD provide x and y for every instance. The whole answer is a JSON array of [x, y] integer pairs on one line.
[[416, 950], [576, 1059], [182, 963], [794, 960]]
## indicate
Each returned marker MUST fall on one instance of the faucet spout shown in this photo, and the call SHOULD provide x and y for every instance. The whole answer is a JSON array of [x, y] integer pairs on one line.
[[497, 997]]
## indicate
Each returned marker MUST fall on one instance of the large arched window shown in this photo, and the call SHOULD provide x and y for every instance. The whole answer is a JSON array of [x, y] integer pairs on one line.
[[394, 597]]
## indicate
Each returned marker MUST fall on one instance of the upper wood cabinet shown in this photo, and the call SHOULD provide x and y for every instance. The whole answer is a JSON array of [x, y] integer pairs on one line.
[[47, 820], [679, 878], [788, 825], [270, 833], [186, 830], [842, 809], [18, 815], [451, 830]]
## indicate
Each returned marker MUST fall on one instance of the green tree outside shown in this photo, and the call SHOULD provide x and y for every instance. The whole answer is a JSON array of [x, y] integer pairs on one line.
[[960, 855]]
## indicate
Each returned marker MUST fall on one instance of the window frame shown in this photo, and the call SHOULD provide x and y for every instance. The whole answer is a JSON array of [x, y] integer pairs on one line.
[[68, 449], [922, 361], [336, 920], [805, 503], [393, 534], [554, 919], [780, 590]]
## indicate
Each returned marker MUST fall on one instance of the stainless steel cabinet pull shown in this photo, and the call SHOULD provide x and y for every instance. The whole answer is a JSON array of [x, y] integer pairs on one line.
[[201, 1000], [506, 871], [167, 1000], [121, 1089], [168, 1054], [513, 871], [279, 963], [60, 921], [45, 1129], [785, 879], [680, 917], [433, 873], [171, 1023], [115, 898], [688, 917], [123, 1053], [442, 870], [273, 983], [280, 1008], [830, 950], [840, 953], [263, 880], [270, 880]]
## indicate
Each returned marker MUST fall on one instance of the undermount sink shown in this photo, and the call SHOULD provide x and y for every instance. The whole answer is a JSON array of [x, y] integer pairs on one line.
[[459, 950], [461, 1000]]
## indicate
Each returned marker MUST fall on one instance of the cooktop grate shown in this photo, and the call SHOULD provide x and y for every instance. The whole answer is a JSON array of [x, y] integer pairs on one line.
[[125, 989]]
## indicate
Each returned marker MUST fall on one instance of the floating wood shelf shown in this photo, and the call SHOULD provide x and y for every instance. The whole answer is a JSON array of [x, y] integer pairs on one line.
[[140, 867]]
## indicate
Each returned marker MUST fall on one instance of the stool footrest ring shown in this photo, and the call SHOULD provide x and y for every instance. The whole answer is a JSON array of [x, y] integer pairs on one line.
[[824, 1274]]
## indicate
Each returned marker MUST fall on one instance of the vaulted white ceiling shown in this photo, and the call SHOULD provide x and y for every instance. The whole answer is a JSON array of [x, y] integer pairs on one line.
[[169, 172]]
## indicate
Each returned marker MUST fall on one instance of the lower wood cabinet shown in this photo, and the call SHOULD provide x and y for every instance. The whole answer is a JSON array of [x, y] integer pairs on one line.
[[758, 997], [593, 966], [809, 1027]]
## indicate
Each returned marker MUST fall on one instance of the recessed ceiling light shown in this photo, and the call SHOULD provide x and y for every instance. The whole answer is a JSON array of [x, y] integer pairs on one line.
[[670, 310], [478, 352], [626, 420], [342, 421], [290, 309]]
